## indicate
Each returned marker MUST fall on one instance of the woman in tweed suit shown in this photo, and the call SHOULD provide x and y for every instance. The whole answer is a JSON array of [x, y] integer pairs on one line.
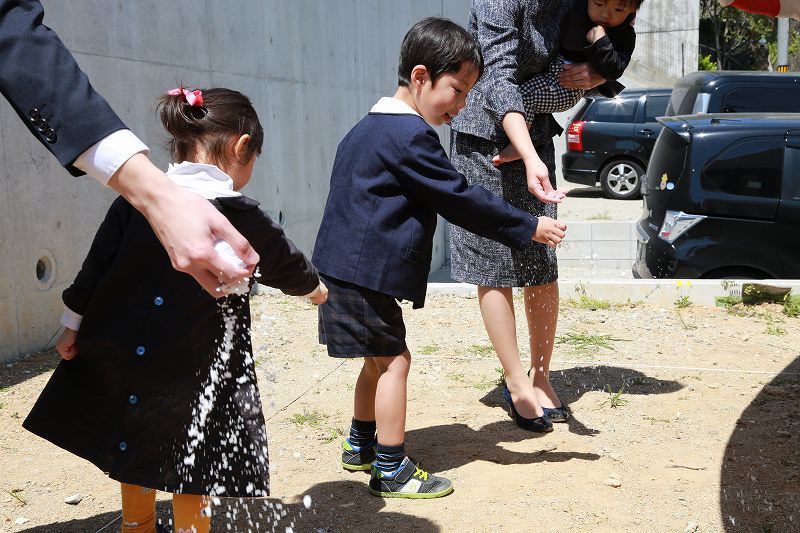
[[518, 38]]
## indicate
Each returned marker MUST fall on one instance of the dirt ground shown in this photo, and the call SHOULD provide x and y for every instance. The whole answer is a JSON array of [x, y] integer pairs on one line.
[[699, 432]]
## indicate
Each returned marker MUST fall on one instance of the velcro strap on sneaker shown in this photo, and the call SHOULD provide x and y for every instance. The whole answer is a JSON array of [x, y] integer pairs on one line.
[[406, 472]]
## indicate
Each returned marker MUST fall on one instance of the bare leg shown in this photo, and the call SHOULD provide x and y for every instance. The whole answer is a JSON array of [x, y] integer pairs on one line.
[[390, 398], [541, 310], [364, 397], [497, 309]]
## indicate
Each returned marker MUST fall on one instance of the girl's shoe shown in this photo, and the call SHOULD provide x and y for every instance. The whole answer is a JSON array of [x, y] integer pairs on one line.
[[555, 414], [410, 481], [357, 460], [540, 424]]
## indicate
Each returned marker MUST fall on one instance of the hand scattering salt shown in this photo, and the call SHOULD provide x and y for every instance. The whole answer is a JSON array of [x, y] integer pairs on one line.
[[225, 251]]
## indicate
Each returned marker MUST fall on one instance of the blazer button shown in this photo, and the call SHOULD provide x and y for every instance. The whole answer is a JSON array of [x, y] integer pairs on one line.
[[133, 399], [50, 135], [41, 125], [140, 350], [158, 300], [34, 115], [123, 446]]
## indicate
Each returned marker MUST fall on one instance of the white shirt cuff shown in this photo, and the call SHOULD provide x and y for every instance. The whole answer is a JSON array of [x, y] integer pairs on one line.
[[70, 319], [103, 159]]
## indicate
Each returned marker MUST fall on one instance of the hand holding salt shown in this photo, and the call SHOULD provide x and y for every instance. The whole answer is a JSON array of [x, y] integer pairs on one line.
[[225, 251]]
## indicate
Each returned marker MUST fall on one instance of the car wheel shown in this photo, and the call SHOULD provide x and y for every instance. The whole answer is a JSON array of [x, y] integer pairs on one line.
[[622, 180]]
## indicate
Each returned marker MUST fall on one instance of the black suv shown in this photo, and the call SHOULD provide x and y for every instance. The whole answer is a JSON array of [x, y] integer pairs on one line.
[[722, 198], [735, 92], [610, 139]]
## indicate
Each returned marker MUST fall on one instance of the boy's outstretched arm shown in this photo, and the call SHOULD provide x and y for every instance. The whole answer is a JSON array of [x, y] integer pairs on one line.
[[429, 177]]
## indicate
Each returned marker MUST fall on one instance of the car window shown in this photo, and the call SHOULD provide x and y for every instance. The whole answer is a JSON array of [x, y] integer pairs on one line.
[[613, 110], [751, 168], [762, 99], [655, 106]]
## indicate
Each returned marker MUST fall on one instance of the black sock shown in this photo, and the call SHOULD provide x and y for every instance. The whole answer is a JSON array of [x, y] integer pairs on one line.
[[388, 458], [362, 433]]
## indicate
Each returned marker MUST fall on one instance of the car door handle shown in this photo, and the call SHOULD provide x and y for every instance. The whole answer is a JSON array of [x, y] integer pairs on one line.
[[646, 131]]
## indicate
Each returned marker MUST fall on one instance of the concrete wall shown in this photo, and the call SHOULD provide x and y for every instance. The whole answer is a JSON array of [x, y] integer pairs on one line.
[[312, 68], [667, 39]]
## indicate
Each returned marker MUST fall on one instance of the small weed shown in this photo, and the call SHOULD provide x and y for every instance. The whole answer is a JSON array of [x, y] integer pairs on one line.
[[615, 399], [481, 349], [501, 379], [585, 341], [313, 419], [683, 302], [727, 301], [333, 434], [775, 327], [654, 420], [484, 385], [684, 323], [457, 377], [586, 302], [14, 493], [600, 216], [791, 306], [429, 349]]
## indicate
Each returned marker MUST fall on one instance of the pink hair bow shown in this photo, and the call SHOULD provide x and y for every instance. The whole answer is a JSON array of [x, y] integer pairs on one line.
[[193, 98]]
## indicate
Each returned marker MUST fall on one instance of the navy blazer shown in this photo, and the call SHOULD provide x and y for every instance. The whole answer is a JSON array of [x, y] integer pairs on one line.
[[43, 83], [390, 178]]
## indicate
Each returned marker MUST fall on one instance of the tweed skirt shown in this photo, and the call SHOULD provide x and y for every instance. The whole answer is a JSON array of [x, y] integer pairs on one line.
[[360, 322], [482, 261]]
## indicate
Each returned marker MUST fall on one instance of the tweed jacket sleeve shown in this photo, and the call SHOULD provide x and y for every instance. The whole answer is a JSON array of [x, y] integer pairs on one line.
[[100, 257], [499, 39], [43, 83]]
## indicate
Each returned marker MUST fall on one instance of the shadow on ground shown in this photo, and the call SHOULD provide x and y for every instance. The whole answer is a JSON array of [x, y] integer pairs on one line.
[[572, 383], [760, 478], [102, 523], [15, 372], [585, 192]]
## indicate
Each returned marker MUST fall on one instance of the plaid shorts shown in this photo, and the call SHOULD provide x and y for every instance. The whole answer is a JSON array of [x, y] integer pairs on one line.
[[543, 93], [360, 322]]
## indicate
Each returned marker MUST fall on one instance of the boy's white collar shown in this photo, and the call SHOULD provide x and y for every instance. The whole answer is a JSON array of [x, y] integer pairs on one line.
[[206, 180], [392, 106]]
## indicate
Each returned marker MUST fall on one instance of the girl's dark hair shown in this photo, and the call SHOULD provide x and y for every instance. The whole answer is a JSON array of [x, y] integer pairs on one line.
[[441, 46], [224, 113]]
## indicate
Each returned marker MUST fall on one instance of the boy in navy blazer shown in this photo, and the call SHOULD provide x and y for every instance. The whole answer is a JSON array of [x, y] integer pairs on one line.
[[390, 179]]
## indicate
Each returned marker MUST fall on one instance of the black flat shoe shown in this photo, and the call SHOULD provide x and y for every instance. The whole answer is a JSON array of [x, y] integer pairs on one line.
[[556, 414], [540, 424]]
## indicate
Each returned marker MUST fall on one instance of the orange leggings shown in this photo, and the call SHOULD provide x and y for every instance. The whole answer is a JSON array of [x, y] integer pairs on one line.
[[191, 513]]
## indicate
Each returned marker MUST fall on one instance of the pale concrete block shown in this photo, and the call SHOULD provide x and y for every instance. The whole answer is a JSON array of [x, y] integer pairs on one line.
[[38, 314], [9, 329], [579, 251], [578, 230], [611, 250], [611, 231]]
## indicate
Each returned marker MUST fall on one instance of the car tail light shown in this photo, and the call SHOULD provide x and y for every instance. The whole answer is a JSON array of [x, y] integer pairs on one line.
[[575, 136], [676, 223]]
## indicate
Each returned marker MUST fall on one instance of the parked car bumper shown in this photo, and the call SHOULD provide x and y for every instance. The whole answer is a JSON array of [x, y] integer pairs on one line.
[[579, 167], [656, 258]]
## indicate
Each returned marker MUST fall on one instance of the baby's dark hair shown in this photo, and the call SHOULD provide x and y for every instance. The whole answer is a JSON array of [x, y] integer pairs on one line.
[[441, 46], [633, 3], [224, 113]]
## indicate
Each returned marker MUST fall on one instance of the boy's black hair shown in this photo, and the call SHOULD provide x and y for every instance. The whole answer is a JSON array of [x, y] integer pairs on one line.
[[441, 46]]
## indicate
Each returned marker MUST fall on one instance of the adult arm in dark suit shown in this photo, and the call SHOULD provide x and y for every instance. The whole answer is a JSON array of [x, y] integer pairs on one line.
[[53, 97]]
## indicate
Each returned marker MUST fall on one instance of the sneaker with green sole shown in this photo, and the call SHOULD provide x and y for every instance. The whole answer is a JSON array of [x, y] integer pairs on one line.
[[357, 460], [410, 481]]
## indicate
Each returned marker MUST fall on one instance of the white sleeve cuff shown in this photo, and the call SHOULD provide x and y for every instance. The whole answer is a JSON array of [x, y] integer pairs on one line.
[[70, 319], [103, 159]]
